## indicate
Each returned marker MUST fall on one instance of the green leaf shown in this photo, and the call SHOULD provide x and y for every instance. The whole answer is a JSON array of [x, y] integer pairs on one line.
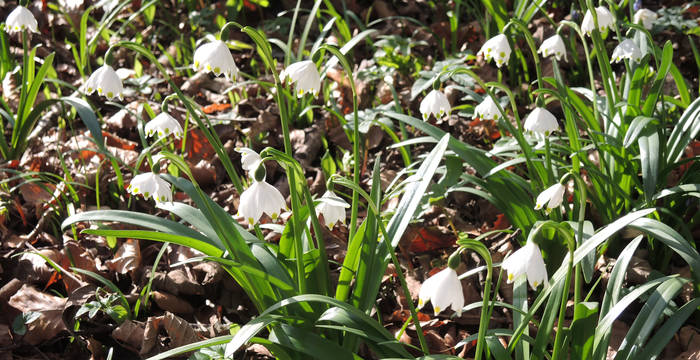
[[646, 319], [298, 340], [685, 130], [196, 244], [138, 219], [635, 128], [664, 334], [673, 240], [649, 152], [605, 324], [583, 330]]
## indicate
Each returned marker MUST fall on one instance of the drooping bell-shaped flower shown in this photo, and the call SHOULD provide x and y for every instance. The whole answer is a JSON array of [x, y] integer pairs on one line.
[[496, 48], [605, 20], [627, 49], [646, 17], [106, 82], [215, 57], [526, 261], [19, 19], [552, 197], [435, 103], [553, 46], [487, 110], [260, 198], [541, 121], [332, 207], [150, 184], [250, 160], [442, 290], [305, 75], [70, 6], [163, 125]]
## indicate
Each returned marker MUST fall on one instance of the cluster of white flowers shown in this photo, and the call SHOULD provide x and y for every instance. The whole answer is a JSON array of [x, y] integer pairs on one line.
[[444, 289]]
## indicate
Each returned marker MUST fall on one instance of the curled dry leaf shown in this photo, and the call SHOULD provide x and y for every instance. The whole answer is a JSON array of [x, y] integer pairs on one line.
[[127, 258], [172, 303], [49, 324], [177, 282], [130, 334], [178, 332]]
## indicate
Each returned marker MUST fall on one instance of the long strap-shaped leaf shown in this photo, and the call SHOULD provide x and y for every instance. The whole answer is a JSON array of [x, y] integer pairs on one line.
[[268, 317], [579, 254]]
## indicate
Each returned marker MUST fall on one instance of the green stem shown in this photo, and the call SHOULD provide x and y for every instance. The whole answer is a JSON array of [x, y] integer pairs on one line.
[[484, 318], [407, 293], [562, 311], [548, 158], [291, 176], [356, 137], [533, 49]]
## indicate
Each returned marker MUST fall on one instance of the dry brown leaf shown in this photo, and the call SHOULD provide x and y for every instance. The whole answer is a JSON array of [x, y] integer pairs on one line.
[[130, 334], [178, 331], [127, 258], [36, 193], [33, 268], [171, 303], [50, 308], [177, 282]]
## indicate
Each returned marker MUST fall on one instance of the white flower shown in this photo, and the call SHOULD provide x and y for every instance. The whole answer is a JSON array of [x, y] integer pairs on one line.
[[260, 198], [646, 17], [250, 160], [487, 110], [332, 207], [305, 75], [435, 103], [106, 81], [496, 48], [164, 125], [627, 49], [528, 260], [553, 46], [442, 290], [605, 20], [541, 121], [70, 5], [19, 19], [215, 57], [150, 184], [552, 196]]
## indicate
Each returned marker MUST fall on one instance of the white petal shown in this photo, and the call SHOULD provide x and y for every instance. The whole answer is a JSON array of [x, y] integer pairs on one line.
[[487, 110], [443, 290], [552, 196], [150, 184], [542, 121], [163, 125], [215, 57], [627, 49], [605, 19], [516, 264], [333, 209], [305, 75], [272, 201], [19, 19], [435, 103], [536, 268], [106, 82], [250, 160], [496, 48], [553, 46], [249, 207], [646, 17]]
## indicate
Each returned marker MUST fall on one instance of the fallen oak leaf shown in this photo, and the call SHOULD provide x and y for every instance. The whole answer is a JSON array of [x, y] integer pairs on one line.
[[50, 309]]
